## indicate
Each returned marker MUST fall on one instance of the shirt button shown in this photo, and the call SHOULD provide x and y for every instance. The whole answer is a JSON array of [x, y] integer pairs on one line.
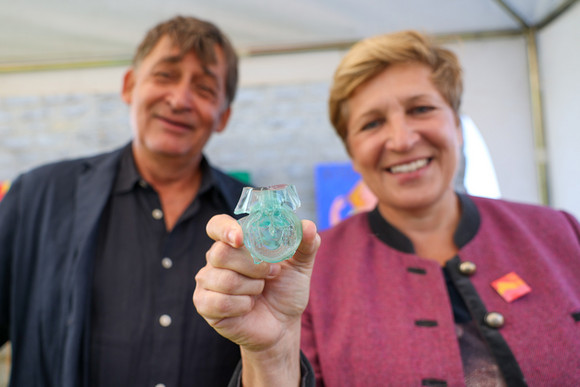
[[143, 183], [165, 320], [467, 268], [167, 263], [494, 320], [157, 214]]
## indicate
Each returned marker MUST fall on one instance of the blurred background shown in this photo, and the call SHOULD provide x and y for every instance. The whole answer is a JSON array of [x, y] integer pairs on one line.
[[62, 61]]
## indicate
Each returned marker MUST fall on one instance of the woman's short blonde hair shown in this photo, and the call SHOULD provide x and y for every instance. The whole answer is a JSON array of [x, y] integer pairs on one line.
[[371, 56]]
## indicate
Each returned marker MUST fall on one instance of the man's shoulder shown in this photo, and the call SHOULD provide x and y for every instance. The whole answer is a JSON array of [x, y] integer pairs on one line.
[[229, 187], [226, 183], [226, 180], [63, 172], [69, 165]]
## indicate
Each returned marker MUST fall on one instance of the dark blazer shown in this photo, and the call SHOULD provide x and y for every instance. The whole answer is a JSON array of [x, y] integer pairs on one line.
[[48, 228]]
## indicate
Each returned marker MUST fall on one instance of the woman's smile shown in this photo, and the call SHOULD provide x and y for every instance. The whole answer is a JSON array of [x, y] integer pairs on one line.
[[410, 166]]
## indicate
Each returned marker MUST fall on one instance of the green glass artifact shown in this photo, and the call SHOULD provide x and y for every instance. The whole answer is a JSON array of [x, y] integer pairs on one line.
[[272, 231]]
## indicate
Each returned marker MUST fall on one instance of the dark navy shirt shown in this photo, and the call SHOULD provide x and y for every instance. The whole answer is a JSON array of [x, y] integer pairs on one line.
[[144, 328]]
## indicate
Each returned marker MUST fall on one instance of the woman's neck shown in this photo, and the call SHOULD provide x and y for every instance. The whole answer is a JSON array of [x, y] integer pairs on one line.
[[430, 229]]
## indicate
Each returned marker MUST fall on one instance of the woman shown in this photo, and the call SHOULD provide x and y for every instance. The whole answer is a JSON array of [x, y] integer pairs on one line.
[[395, 103], [415, 292]]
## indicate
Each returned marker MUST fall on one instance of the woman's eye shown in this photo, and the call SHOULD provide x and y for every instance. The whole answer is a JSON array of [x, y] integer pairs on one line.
[[372, 124], [421, 109]]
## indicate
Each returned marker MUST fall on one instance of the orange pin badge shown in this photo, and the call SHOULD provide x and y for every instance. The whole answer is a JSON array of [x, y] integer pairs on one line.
[[511, 287]]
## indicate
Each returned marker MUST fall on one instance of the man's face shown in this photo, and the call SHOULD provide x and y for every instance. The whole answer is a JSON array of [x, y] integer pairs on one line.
[[175, 102]]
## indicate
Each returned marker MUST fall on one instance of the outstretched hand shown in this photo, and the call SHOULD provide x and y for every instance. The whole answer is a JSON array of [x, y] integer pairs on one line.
[[256, 306]]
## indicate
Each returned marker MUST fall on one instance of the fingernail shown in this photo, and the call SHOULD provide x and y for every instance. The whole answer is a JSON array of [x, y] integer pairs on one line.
[[231, 237], [274, 270]]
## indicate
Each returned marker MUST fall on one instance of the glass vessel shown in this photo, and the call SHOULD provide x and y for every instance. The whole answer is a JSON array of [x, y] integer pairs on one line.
[[272, 231]]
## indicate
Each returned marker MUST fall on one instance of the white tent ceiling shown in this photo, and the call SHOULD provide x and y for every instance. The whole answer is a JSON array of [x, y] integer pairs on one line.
[[41, 32]]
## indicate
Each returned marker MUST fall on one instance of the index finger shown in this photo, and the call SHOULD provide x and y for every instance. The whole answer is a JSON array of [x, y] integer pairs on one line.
[[224, 228]]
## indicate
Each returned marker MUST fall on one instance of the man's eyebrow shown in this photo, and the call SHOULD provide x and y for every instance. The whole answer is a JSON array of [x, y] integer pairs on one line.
[[170, 59], [210, 73], [178, 58]]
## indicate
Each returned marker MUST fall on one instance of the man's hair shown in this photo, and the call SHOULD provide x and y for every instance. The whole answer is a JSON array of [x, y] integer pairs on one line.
[[369, 57], [190, 34]]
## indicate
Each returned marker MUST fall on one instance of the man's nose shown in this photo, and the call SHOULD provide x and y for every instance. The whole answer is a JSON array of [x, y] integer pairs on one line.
[[181, 97]]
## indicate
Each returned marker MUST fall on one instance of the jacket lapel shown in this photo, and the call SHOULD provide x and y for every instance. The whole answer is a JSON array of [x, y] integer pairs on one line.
[[94, 185]]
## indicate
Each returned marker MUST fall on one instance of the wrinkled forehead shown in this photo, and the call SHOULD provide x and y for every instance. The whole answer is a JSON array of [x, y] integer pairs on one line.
[[207, 52]]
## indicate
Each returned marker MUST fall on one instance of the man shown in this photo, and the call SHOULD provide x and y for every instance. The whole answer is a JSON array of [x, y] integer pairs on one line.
[[98, 255]]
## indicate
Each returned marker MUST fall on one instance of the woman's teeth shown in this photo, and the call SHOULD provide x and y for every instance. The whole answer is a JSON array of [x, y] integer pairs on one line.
[[409, 167]]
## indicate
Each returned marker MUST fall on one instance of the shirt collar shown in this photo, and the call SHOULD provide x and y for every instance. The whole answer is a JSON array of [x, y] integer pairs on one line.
[[128, 177], [466, 229], [207, 178]]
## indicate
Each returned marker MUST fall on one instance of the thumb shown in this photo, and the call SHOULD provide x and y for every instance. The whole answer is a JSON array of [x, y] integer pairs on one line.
[[226, 229], [306, 252]]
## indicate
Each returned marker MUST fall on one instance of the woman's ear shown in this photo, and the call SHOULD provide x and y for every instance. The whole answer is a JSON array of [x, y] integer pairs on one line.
[[459, 131]]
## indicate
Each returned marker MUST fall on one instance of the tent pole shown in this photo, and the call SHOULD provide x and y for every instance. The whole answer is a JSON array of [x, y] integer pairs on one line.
[[530, 33], [520, 20], [537, 116], [555, 14]]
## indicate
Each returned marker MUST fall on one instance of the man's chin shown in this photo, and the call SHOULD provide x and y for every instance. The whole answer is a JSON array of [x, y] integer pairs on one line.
[[169, 151]]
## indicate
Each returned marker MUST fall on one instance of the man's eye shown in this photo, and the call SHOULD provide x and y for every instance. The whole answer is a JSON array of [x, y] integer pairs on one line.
[[162, 75], [206, 90]]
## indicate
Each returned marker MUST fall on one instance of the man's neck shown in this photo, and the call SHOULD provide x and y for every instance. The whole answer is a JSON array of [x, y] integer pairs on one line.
[[176, 181]]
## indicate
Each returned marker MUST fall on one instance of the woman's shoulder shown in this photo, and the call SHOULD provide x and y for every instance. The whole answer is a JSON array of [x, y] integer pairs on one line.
[[350, 234], [348, 227], [511, 206], [528, 213]]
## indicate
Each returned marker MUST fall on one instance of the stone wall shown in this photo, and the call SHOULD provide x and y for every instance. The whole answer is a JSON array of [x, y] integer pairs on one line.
[[276, 133]]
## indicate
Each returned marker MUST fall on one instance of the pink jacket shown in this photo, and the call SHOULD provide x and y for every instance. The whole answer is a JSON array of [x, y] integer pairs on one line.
[[361, 327]]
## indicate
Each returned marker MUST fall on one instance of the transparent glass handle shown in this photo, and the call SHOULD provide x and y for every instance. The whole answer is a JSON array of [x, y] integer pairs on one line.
[[272, 231]]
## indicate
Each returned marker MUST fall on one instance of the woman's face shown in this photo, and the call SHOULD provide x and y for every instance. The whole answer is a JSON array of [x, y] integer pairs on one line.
[[403, 138]]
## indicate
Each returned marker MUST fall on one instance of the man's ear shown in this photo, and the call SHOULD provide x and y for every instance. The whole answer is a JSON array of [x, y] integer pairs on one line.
[[223, 120], [128, 84]]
